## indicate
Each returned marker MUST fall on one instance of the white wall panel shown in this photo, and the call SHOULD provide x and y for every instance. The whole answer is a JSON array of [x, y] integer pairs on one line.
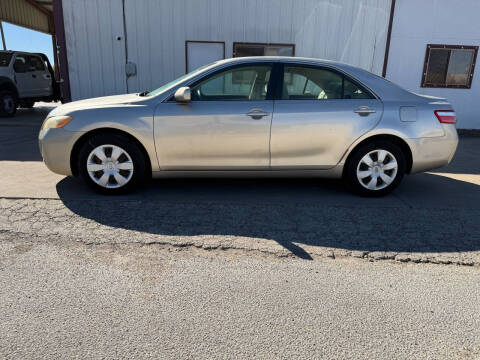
[[96, 59], [353, 31], [417, 24]]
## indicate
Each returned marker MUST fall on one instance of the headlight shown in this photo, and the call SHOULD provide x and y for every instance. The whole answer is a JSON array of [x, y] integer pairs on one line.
[[56, 122]]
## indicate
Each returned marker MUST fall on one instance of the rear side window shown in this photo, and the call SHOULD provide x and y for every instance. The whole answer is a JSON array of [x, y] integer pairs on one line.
[[309, 83], [20, 64], [36, 62], [5, 59]]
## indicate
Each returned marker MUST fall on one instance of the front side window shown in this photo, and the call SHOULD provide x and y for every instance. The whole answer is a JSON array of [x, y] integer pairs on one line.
[[237, 84], [309, 83], [449, 66]]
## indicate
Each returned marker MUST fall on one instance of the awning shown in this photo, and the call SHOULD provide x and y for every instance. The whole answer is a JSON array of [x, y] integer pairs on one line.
[[32, 14]]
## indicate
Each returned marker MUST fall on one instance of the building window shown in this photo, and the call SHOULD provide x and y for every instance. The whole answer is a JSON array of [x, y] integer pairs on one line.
[[449, 66], [260, 49]]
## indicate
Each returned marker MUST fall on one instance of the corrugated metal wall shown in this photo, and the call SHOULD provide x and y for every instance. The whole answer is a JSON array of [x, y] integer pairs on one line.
[[353, 31], [95, 40]]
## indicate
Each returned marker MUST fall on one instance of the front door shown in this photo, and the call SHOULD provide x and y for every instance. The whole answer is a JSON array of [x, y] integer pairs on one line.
[[320, 113], [226, 126]]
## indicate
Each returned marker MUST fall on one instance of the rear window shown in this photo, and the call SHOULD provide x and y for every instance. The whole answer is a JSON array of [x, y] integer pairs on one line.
[[5, 59]]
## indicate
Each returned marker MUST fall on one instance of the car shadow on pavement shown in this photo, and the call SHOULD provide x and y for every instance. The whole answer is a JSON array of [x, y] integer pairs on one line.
[[428, 213]]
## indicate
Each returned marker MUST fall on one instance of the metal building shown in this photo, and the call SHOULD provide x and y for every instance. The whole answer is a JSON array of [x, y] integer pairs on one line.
[[107, 47]]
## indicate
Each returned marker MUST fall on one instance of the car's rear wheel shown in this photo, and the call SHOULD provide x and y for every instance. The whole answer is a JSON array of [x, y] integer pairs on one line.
[[8, 104], [111, 164], [375, 169]]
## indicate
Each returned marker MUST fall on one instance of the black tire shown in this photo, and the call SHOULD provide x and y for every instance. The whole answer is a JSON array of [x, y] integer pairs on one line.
[[354, 162], [8, 103], [132, 150]]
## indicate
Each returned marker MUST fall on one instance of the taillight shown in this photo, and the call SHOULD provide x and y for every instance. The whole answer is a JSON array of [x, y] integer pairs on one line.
[[446, 116]]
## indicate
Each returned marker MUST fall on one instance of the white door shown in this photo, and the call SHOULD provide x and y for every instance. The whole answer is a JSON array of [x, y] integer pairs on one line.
[[201, 53]]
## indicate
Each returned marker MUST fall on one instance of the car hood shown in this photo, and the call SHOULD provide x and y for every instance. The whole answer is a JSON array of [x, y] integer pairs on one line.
[[98, 102]]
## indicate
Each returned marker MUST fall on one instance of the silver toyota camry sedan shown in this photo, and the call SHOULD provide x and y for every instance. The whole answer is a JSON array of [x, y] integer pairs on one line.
[[257, 116]]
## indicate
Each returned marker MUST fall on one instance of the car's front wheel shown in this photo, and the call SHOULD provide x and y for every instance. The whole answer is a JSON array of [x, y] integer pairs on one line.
[[111, 164], [375, 169]]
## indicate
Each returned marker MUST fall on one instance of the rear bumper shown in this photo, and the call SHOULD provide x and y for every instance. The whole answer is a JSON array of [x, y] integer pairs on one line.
[[433, 152], [56, 147]]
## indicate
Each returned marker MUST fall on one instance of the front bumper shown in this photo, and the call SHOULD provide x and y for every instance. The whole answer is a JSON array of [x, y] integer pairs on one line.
[[433, 152], [56, 147]]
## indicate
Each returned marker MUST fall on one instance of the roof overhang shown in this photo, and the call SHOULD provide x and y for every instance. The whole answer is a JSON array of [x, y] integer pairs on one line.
[[32, 14]]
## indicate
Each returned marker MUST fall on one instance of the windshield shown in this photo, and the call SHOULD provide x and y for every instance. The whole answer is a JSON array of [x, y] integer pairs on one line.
[[178, 81], [5, 58]]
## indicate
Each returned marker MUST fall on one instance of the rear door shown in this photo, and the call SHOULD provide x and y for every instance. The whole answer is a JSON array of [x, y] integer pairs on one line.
[[41, 77], [319, 113]]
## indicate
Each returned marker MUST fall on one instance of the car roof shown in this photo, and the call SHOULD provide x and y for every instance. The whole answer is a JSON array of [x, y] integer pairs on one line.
[[294, 59]]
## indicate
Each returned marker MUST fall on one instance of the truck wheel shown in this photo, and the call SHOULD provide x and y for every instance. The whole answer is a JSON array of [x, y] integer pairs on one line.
[[8, 104]]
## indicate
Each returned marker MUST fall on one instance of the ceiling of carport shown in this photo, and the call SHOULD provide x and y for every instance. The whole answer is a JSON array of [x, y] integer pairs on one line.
[[32, 14]]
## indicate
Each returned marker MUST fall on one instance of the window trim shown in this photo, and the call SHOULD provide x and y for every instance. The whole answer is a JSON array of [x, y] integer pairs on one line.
[[271, 82], [344, 75], [235, 43], [200, 42], [424, 84]]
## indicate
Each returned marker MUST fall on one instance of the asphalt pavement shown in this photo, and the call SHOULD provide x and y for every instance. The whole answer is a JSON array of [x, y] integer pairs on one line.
[[273, 268]]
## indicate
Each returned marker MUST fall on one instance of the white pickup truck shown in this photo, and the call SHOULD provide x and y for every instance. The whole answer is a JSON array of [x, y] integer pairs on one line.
[[24, 79]]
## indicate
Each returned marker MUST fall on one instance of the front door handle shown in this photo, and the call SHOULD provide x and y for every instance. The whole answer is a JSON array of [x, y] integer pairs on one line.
[[257, 114], [364, 111]]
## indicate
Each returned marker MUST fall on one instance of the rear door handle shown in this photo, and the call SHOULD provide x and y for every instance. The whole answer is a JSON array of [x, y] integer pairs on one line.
[[364, 111], [34, 76], [257, 114]]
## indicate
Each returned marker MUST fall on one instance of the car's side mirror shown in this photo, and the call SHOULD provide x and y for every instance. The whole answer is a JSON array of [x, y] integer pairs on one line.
[[183, 94]]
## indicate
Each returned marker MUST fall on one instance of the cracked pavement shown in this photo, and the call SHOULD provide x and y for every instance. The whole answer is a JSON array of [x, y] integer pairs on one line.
[[297, 229]]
